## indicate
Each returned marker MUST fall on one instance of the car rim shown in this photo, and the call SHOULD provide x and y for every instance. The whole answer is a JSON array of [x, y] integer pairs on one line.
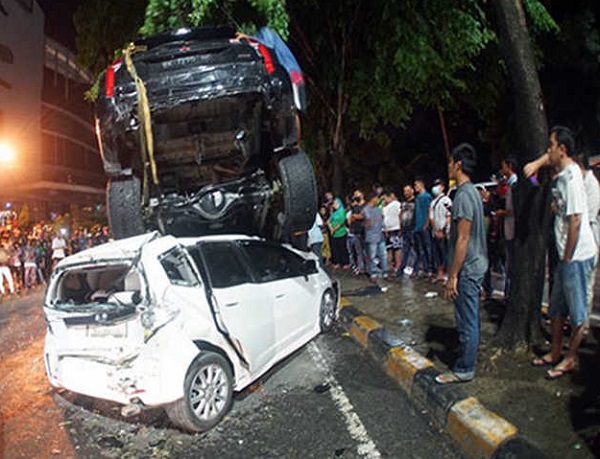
[[209, 391], [328, 309]]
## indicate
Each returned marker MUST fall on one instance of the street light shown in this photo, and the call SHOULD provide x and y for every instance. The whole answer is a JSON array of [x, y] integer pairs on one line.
[[7, 154]]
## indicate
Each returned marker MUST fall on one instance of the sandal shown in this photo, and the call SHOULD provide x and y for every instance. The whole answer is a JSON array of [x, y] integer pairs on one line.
[[556, 373], [544, 361], [450, 377]]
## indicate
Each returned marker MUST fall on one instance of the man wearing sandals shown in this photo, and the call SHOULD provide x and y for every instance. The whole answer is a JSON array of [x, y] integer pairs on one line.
[[467, 259], [576, 249]]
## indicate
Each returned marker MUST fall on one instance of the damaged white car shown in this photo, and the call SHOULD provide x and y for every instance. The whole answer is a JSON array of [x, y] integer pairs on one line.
[[181, 322]]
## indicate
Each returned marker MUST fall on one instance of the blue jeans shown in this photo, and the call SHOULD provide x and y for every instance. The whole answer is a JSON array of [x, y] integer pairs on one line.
[[466, 314], [377, 249], [316, 249], [423, 250], [569, 292], [356, 247]]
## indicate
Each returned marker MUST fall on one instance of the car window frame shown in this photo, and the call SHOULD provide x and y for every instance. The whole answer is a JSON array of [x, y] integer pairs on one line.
[[259, 279], [205, 269], [182, 255]]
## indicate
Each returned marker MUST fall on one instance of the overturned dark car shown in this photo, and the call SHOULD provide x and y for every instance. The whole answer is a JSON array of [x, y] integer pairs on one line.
[[198, 131]]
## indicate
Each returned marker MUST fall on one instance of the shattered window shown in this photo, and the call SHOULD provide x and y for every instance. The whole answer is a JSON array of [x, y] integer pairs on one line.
[[178, 268]]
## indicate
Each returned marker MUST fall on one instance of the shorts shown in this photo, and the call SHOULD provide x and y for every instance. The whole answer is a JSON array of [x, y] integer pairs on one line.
[[569, 291], [393, 240]]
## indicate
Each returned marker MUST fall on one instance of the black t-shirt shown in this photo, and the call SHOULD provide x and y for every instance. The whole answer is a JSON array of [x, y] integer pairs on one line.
[[358, 226]]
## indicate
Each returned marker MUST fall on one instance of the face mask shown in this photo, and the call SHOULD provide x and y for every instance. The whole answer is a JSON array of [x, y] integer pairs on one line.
[[436, 190]]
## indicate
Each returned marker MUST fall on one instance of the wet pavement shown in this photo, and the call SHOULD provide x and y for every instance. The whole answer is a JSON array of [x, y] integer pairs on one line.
[[561, 417]]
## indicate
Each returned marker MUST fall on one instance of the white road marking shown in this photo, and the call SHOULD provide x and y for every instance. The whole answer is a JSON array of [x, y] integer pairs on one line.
[[356, 429]]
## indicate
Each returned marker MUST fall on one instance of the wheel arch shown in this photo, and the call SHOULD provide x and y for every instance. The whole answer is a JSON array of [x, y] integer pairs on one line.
[[210, 347]]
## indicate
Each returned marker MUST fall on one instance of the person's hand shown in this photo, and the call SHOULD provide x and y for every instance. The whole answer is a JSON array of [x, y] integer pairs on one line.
[[451, 289], [531, 168]]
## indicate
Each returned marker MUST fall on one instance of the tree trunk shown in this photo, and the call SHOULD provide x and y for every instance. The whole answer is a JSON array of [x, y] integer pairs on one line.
[[521, 324], [338, 140]]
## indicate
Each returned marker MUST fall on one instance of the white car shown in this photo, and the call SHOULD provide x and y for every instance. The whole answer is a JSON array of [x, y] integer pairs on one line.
[[181, 322]]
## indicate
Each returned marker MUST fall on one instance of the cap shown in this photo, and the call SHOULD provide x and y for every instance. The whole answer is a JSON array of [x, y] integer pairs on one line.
[[438, 181]]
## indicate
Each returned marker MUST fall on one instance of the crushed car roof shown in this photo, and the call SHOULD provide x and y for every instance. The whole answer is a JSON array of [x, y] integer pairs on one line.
[[130, 247]]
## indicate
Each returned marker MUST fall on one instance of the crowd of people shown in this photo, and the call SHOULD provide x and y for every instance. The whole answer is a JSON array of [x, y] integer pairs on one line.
[[459, 235], [382, 235], [27, 255]]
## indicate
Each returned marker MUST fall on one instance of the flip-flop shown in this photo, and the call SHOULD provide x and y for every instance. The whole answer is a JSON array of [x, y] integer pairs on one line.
[[558, 373], [450, 377], [542, 362]]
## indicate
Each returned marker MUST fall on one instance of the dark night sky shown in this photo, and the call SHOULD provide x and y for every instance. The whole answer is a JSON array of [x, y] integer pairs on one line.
[[59, 20]]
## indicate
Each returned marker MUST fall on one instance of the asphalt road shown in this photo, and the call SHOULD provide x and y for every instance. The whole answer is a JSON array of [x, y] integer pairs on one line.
[[328, 400]]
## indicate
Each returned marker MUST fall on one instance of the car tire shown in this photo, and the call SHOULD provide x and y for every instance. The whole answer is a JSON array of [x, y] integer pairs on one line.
[[299, 192], [208, 369], [327, 311], [123, 198]]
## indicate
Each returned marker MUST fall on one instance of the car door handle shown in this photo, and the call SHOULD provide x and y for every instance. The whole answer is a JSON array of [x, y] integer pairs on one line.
[[281, 295], [230, 305]]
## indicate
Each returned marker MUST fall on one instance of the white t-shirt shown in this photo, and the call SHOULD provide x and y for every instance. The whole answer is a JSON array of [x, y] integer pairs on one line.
[[391, 216], [592, 192], [570, 199], [314, 234], [439, 210], [58, 247]]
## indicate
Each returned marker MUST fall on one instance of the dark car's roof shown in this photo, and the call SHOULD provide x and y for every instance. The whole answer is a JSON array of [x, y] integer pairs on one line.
[[186, 34]]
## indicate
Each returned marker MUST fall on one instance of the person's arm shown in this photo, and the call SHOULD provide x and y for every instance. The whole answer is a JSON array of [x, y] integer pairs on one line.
[[574, 223], [460, 252], [532, 167]]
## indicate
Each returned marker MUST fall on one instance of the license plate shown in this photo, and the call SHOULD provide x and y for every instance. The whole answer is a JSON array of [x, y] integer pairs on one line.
[[108, 331]]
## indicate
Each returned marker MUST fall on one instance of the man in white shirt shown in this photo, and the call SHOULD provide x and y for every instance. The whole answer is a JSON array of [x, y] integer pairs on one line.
[[592, 193], [576, 251], [391, 227], [59, 247], [440, 211]]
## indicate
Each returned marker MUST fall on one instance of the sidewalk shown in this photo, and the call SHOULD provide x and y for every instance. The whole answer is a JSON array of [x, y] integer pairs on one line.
[[561, 418]]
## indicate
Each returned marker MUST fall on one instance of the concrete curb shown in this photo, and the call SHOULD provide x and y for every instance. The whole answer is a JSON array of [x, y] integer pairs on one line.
[[477, 431]]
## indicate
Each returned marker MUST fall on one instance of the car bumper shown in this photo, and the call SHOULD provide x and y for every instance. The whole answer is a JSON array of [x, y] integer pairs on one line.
[[152, 374]]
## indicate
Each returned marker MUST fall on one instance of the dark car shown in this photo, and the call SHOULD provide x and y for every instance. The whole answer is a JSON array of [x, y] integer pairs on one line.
[[198, 132]]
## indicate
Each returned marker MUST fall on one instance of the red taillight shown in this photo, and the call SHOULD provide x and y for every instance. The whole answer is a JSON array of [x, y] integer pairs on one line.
[[267, 57], [110, 77], [110, 81]]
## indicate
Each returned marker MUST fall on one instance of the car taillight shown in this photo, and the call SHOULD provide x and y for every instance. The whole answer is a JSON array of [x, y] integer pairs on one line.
[[110, 77], [267, 57]]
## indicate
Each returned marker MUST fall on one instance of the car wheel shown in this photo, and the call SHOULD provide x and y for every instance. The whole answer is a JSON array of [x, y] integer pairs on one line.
[[328, 311], [124, 207], [299, 192], [207, 394]]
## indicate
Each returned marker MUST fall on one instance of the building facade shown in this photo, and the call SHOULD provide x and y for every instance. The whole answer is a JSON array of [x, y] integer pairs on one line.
[[57, 169]]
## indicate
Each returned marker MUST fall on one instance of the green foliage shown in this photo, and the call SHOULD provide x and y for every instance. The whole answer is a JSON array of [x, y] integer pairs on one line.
[[388, 57], [244, 15], [540, 20], [102, 27], [419, 56]]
